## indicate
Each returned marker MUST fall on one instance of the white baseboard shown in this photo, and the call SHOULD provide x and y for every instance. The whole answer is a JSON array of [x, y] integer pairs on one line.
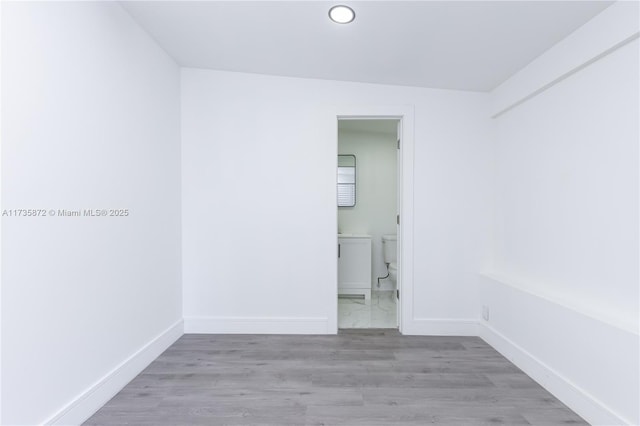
[[254, 325], [571, 395], [440, 327], [88, 402]]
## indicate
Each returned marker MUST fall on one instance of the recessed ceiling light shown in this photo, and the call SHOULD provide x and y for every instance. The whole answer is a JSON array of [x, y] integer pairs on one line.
[[342, 14]]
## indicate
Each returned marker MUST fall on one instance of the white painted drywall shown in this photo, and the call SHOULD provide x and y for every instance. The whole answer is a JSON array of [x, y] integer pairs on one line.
[[567, 183], [1, 133], [90, 120], [376, 195], [605, 31], [259, 208], [567, 226]]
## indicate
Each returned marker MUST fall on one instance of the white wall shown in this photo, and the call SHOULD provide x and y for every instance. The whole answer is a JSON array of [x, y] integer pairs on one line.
[[563, 289], [259, 214], [376, 200], [1, 133], [90, 119]]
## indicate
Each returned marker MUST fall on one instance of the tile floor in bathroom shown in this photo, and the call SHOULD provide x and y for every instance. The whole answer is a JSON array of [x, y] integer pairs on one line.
[[380, 312]]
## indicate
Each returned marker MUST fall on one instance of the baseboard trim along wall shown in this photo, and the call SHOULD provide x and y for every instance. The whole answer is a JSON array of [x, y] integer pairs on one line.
[[301, 325], [256, 325], [92, 399], [571, 395], [441, 327], [588, 363], [578, 399]]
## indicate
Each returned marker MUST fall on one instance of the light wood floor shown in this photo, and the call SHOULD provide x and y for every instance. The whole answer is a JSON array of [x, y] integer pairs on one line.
[[359, 377]]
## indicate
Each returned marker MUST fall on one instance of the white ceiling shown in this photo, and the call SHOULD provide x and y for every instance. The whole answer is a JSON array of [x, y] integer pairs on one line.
[[466, 45]]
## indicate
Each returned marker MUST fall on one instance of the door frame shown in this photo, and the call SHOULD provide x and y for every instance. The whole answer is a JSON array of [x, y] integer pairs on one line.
[[405, 172]]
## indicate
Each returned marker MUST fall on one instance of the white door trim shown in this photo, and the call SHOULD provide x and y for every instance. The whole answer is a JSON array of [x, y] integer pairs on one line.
[[405, 113]]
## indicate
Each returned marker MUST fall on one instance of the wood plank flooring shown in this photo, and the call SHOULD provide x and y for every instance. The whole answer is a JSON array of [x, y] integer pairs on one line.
[[359, 377]]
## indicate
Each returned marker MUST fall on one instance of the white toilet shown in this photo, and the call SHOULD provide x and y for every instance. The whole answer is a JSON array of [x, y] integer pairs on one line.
[[389, 249]]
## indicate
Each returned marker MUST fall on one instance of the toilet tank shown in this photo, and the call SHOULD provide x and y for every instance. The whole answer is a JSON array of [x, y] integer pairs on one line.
[[389, 246]]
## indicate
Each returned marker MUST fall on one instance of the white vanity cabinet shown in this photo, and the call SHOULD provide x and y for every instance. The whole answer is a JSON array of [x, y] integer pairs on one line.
[[354, 265]]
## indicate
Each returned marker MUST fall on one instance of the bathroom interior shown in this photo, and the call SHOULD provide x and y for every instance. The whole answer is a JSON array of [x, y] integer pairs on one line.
[[367, 227]]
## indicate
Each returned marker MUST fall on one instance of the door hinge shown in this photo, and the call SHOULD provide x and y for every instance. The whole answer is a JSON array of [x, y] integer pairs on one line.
[[398, 143], [398, 293], [398, 219]]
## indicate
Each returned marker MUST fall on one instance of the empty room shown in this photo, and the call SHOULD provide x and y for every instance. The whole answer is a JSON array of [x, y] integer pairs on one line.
[[320, 213]]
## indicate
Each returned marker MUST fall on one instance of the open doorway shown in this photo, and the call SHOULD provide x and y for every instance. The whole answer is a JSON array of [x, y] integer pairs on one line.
[[368, 219]]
